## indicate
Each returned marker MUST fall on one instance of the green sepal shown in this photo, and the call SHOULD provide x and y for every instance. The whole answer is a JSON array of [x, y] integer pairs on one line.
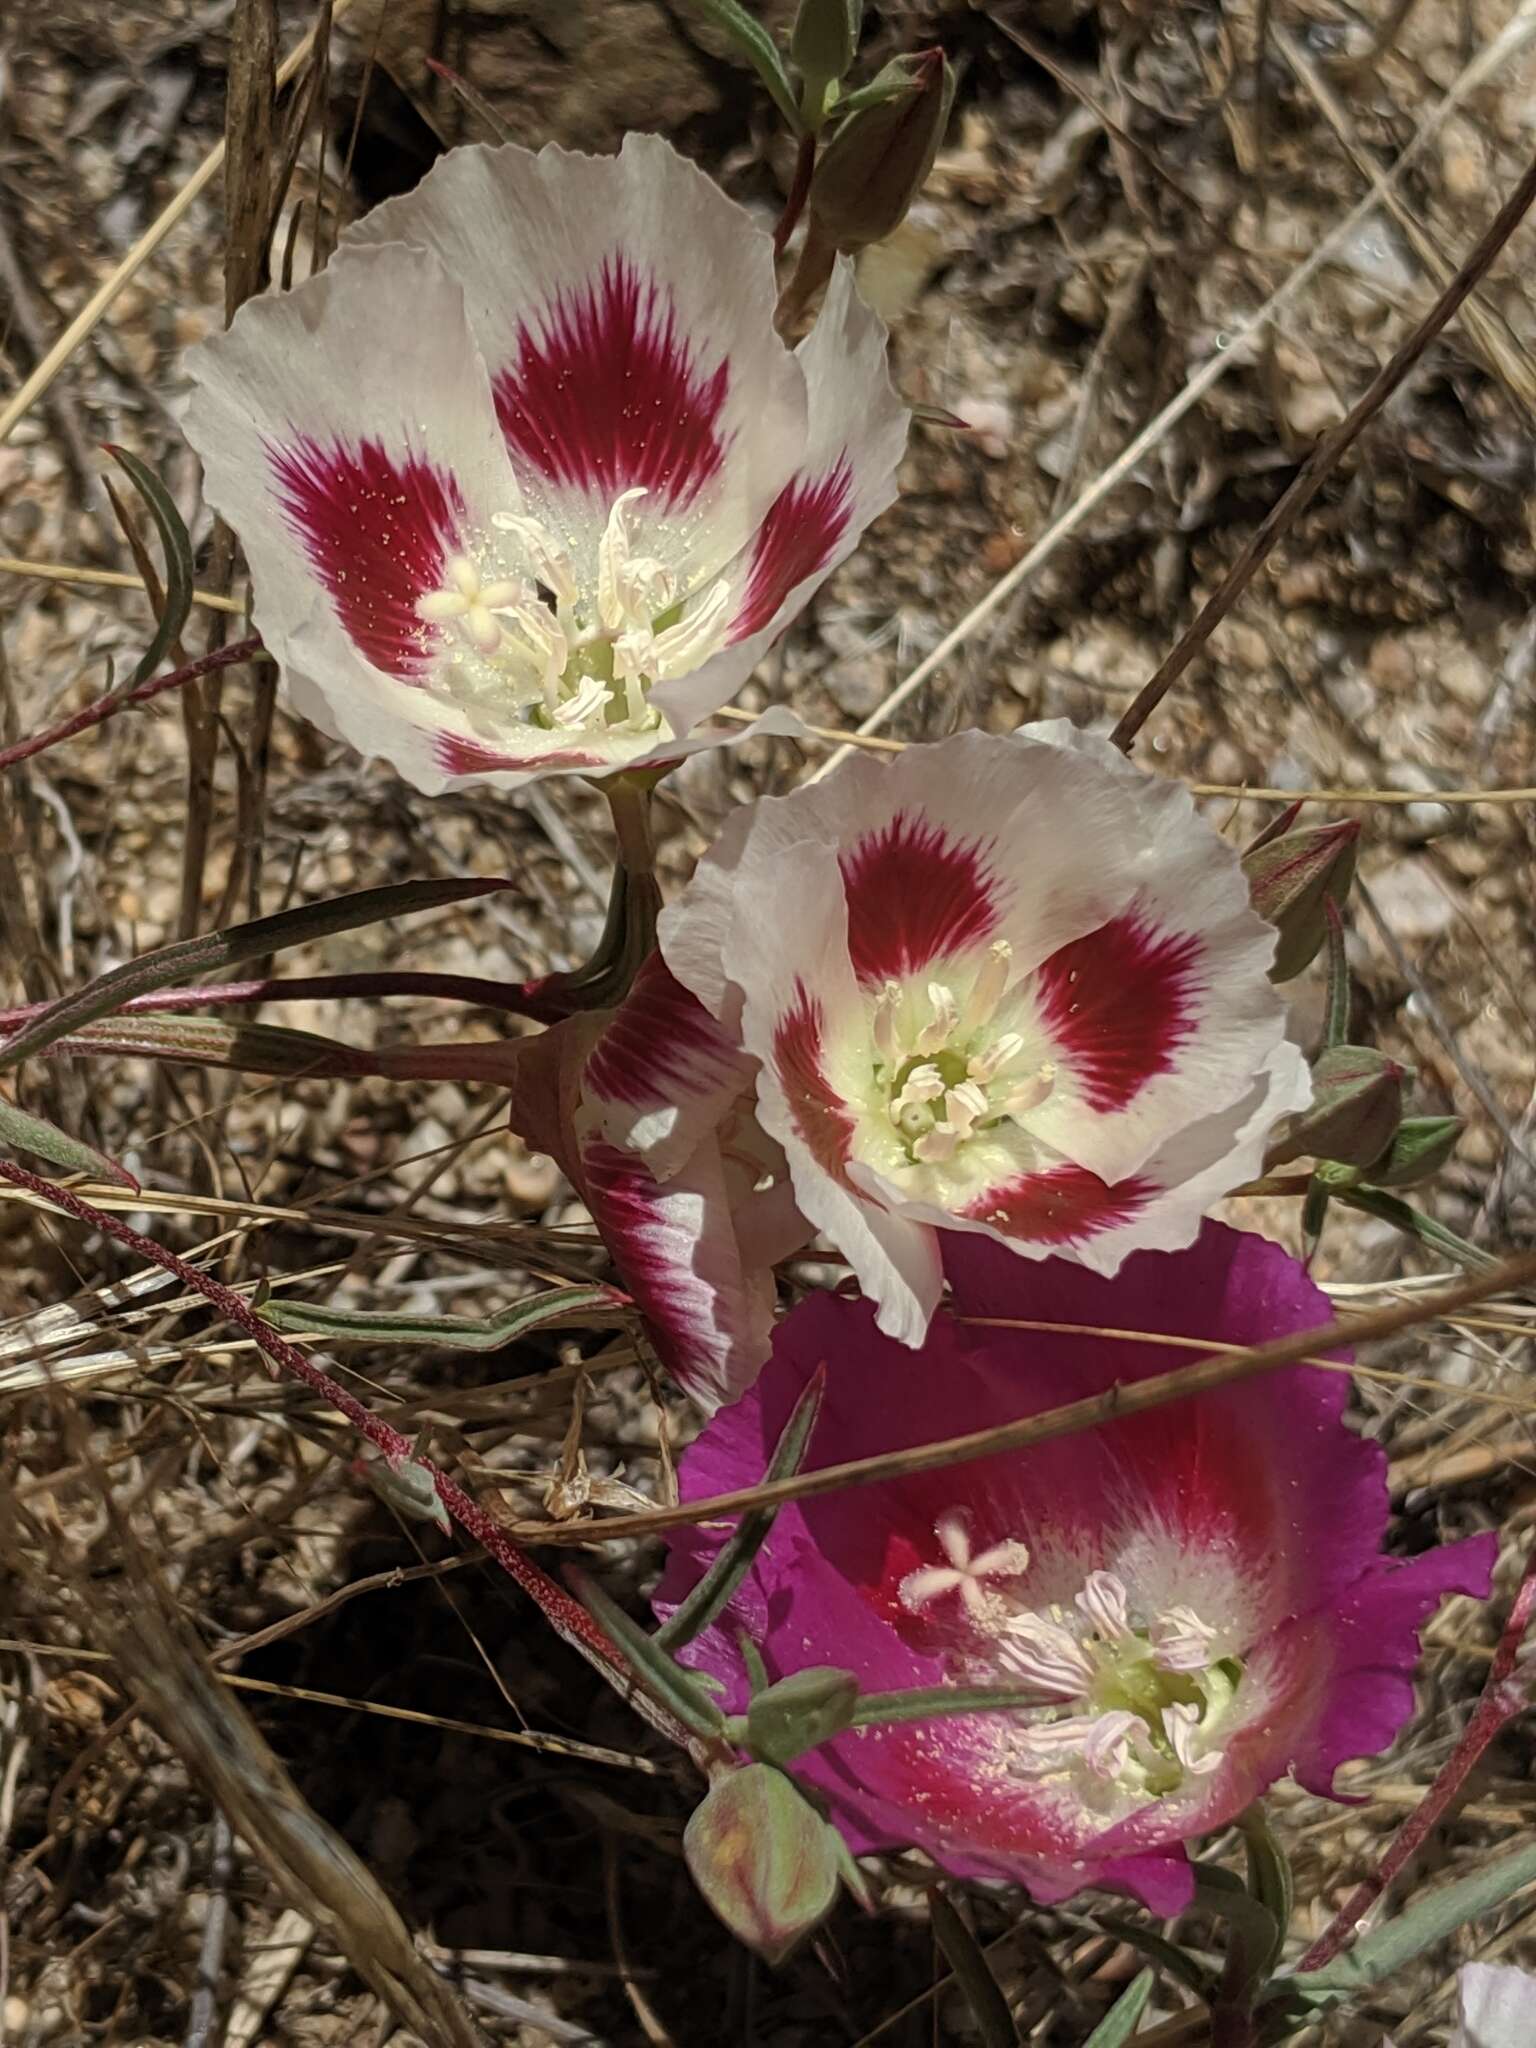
[[798, 1713], [933, 1702], [734, 1559], [1420, 1147]]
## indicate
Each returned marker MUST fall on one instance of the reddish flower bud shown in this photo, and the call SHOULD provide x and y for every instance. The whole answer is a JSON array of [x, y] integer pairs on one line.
[[764, 1859], [875, 165], [1357, 1101], [1291, 878]]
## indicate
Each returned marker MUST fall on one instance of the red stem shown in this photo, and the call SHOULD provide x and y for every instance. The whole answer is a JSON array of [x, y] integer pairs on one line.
[[520, 999], [567, 1616], [109, 706], [1503, 1697]]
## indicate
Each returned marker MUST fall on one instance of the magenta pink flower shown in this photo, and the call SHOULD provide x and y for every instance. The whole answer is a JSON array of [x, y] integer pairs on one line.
[[1195, 1597], [1011, 986], [648, 1109], [526, 479]]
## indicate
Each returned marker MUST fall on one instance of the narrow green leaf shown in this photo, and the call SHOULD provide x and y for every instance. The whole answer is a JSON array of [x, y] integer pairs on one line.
[[28, 1133], [667, 1682], [192, 959], [930, 1703], [973, 1973], [735, 1557], [1120, 2022], [1336, 1021], [1185, 1969], [760, 51], [1269, 1877], [1432, 1917], [1413, 1222], [234, 1043], [583, 1305], [176, 543]]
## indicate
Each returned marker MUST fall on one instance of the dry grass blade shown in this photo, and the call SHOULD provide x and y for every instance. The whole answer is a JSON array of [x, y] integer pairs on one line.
[[121, 274], [1135, 1399]]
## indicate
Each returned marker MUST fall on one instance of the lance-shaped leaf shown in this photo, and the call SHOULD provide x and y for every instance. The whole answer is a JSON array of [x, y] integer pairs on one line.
[[760, 51], [764, 1859], [1291, 878], [973, 1973], [234, 1044], [824, 42], [588, 1307], [176, 599], [1120, 2022], [1412, 1222], [34, 1134], [191, 958], [1357, 1100], [676, 1689], [735, 1559]]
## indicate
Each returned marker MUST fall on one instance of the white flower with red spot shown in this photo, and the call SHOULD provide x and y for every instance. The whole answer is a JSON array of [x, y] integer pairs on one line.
[[1010, 985], [526, 480]]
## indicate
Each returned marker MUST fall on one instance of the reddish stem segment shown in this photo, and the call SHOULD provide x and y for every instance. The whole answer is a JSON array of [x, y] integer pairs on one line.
[[109, 706], [567, 1616], [1503, 1697], [800, 185]]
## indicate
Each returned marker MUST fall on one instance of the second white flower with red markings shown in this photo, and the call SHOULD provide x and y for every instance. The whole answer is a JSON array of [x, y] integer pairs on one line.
[[1006, 985]]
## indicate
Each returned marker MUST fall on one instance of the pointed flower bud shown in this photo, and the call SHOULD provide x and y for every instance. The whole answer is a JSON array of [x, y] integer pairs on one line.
[[801, 1712], [1290, 879], [408, 1487], [823, 43], [764, 1859], [1420, 1147], [1357, 1100], [876, 163]]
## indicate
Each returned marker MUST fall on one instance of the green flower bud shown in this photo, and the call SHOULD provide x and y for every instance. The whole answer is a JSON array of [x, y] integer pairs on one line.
[[765, 1860], [875, 165], [1419, 1149], [823, 44], [1357, 1101], [409, 1487], [801, 1711], [1289, 881]]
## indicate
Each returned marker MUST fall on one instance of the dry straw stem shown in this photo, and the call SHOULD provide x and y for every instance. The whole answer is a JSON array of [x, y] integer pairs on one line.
[[1217, 1370], [1506, 45], [101, 299], [1308, 481]]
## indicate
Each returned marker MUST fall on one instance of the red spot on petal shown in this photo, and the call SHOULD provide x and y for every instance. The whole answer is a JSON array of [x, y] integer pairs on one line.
[[1120, 1003], [456, 756], [914, 896], [607, 394], [1063, 1205], [377, 529], [662, 1046], [800, 534], [821, 1116]]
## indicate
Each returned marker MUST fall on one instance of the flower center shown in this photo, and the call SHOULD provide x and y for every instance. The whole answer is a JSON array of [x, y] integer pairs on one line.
[[947, 1064], [1129, 1708], [567, 656]]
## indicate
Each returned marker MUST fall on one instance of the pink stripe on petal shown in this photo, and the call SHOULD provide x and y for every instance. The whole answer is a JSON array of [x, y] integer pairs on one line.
[[914, 896], [1063, 1205], [662, 1046], [821, 1116], [1119, 1003], [457, 756], [376, 529], [609, 395], [799, 535]]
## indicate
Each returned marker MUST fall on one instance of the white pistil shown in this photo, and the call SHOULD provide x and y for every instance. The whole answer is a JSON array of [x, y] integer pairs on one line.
[[963, 1574]]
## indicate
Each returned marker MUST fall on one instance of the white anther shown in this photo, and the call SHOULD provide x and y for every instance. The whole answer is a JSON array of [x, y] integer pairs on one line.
[[986, 1065], [1030, 1093], [1045, 1654], [989, 987], [551, 563], [585, 706], [546, 641], [923, 1084], [614, 561], [1103, 1601], [936, 1147], [886, 1037], [1182, 1723], [1101, 1741], [1181, 1641], [962, 1106], [682, 648], [946, 1017]]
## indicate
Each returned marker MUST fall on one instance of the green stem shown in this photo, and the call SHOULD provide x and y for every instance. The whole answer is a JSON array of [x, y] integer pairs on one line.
[[634, 903]]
